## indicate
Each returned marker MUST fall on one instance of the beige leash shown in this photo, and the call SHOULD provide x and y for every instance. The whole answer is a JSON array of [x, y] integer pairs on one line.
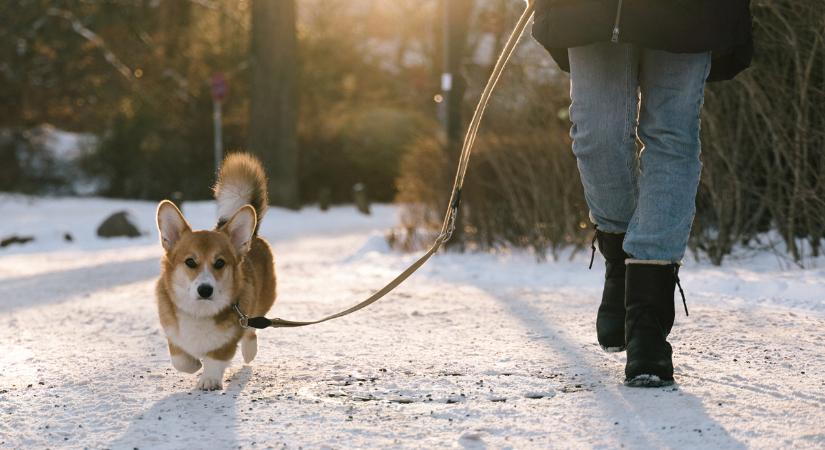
[[448, 226]]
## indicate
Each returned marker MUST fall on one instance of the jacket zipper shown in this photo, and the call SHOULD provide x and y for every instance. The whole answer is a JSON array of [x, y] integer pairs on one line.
[[615, 38]]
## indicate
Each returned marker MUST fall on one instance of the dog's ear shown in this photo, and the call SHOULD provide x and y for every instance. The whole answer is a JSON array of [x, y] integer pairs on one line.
[[171, 225], [240, 228]]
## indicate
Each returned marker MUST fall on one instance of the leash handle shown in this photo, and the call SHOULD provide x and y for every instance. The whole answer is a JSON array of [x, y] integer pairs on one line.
[[450, 217]]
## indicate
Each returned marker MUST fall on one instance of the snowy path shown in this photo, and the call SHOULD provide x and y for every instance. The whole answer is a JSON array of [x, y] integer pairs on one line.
[[475, 351]]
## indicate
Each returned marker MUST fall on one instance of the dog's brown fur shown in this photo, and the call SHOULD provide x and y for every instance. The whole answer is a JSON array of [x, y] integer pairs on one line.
[[208, 329]]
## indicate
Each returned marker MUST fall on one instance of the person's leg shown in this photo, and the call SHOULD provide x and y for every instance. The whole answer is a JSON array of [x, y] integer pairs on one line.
[[603, 110], [603, 89], [672, 91]]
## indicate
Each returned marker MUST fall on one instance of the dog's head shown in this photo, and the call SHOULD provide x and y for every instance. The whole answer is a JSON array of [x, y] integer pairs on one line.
[[201, 268]]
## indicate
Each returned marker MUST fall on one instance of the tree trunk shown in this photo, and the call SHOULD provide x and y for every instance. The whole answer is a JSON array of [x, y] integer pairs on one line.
[[273, 103]]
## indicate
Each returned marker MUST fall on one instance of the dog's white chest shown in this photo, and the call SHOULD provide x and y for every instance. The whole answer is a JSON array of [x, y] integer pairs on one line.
[[199, 336]]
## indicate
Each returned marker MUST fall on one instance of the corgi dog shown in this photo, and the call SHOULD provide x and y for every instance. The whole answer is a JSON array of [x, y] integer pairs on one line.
[[205, 272]]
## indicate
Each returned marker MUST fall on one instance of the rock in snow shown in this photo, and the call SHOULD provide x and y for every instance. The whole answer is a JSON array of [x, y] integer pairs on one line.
[[119, 224]]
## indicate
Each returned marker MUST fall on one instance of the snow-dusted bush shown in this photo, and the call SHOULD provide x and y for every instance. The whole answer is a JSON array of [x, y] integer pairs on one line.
[[45, 160]]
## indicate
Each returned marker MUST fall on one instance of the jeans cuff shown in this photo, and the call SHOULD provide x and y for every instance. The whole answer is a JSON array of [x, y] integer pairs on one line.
[[601, 230], [654, 262]]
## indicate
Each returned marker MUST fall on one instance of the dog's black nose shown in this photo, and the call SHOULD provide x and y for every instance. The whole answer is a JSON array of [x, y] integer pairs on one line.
[[205, 291]]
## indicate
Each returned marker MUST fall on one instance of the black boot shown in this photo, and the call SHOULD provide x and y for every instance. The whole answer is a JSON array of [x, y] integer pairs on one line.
[[611, 317], [650, 312]]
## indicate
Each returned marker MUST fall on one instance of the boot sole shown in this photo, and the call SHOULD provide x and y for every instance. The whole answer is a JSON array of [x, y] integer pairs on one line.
[[612, 349], [647, 380]]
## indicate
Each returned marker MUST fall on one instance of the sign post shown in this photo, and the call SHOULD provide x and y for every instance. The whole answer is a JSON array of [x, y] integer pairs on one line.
[[446, 76], [219, 90]]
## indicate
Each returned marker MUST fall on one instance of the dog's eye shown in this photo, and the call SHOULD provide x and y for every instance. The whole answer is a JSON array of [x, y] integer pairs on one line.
[[219, 263], [190, 263]]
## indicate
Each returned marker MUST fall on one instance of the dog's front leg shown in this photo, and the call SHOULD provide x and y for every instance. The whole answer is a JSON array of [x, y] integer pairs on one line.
[[181, 360], [249, 346], [214, 365], [212, 377]]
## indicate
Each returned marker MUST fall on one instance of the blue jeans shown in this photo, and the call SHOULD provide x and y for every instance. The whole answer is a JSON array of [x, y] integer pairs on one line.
[[621, 93]]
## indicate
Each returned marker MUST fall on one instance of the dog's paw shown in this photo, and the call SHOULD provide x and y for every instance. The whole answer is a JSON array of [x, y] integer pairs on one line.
[[249, 348], [185, 363], [209, 384]]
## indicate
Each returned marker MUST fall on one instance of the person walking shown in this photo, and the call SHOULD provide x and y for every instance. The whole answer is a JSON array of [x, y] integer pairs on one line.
[[638, 70]]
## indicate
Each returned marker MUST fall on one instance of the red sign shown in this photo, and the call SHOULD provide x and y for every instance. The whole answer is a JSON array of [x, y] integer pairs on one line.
[[220, 87]]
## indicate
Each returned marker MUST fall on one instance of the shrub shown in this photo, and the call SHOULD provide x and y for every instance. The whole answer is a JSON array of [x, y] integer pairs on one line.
[[522, 186], [150, 154], [763, 137], [361, 146]]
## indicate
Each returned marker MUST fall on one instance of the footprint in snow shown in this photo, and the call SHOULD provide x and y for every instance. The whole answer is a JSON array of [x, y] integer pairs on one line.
[[540, 394], [472, 439]]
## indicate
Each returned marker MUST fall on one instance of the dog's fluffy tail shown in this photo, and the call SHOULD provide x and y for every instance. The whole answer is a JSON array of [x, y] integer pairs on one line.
[[241, 181]]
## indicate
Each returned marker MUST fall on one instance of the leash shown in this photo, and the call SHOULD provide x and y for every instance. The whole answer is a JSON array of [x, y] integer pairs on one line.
[[448, 225]]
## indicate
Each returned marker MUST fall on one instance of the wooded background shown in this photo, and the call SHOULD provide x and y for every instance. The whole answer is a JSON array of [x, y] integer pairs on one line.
[[330, 93]]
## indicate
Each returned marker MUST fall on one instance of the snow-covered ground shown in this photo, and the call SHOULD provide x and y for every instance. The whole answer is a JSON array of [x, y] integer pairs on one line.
[[476, 350]]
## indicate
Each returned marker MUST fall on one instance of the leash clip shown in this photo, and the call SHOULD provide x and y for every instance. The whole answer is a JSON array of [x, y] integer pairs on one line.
[[243, 320]]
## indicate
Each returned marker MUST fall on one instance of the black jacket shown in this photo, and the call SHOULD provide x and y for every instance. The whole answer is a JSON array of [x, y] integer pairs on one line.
[[678, 26]]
